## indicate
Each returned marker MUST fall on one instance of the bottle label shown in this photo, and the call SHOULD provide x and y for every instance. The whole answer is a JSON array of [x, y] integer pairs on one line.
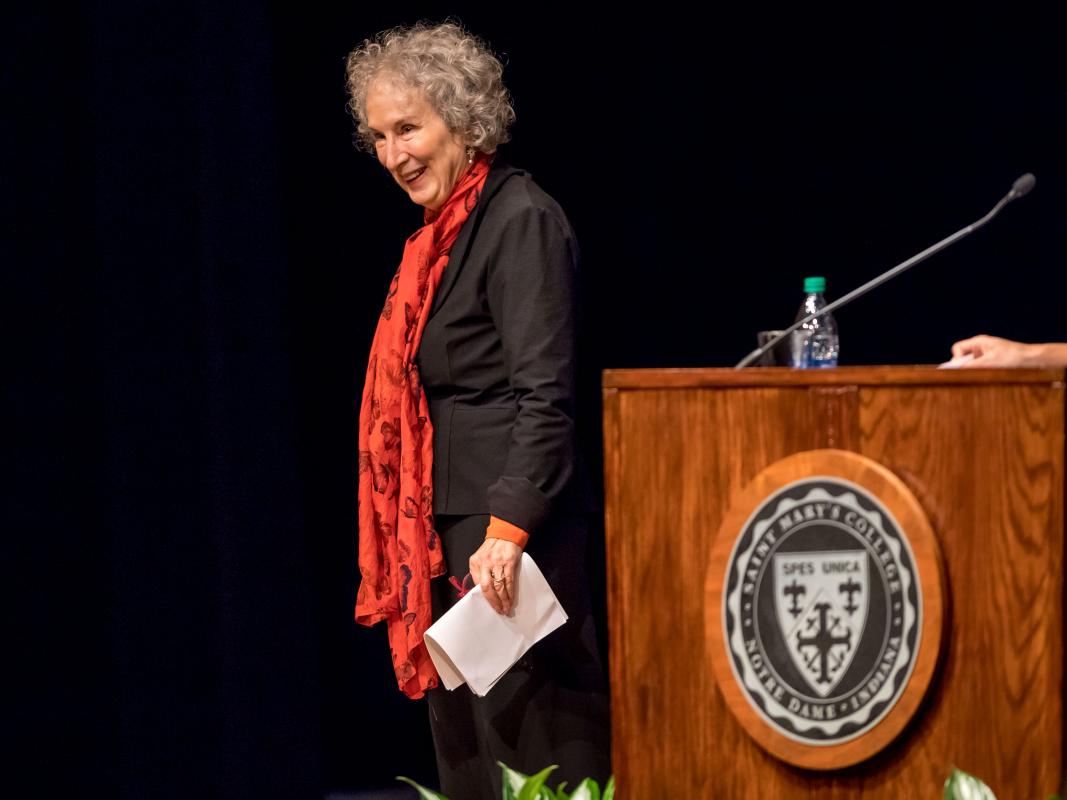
[[813, 349]]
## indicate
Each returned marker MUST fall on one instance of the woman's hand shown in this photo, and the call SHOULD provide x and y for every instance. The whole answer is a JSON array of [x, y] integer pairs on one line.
[[493, 567]]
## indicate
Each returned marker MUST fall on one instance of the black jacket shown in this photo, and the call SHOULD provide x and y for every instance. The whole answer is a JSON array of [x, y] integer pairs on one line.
[[497, 361]]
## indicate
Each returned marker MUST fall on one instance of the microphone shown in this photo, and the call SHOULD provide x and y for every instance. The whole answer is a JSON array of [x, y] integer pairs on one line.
[[1018, 189], [1022, 186]]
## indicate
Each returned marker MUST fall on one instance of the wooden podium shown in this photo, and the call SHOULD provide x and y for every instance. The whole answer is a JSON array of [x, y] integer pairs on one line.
[[983, 453]]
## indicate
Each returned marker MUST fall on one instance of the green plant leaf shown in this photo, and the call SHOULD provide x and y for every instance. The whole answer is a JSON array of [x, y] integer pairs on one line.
[[560, 794], [532, 789], [609, 790], [513, 781], [424, 793], [961, 786], [587, 790]]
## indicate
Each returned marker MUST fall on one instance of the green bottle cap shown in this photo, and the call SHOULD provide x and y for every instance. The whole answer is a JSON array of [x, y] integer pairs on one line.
[[814, 285]]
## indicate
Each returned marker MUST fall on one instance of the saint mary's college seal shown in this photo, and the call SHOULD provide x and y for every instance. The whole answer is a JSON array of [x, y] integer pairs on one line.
[[821, 607]]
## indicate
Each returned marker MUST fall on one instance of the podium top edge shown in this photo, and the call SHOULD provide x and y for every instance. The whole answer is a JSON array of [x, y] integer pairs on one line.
[[692, 378]]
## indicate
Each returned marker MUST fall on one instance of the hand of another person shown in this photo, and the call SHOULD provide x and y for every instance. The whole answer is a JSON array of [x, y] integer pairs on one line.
[[992, 351], [493, 566]]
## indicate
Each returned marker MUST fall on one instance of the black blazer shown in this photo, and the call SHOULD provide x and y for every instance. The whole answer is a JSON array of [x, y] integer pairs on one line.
[[497, 360]]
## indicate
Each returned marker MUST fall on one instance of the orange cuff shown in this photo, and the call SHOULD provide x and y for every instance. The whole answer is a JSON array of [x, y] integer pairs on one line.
[[502, 529]]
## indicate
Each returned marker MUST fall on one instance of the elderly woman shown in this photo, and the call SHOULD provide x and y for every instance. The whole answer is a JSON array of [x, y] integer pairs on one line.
[[467, 451]]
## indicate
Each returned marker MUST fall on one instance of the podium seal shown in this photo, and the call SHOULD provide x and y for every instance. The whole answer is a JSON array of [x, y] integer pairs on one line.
[[822, 611]]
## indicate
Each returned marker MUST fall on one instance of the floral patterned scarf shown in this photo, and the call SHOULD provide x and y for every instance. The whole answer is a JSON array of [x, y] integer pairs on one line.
[[399, 551]]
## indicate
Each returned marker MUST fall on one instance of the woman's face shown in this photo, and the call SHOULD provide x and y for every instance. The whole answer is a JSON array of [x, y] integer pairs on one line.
[[414, 143]]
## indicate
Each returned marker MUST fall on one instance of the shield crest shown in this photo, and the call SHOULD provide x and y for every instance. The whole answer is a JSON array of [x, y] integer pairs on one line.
[[821, 600]]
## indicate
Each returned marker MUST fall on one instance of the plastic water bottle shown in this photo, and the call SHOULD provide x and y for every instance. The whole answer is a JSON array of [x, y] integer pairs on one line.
[[814, 344]]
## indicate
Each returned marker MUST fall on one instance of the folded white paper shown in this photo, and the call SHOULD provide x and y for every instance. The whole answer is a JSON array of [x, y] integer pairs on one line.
[[473, 644], [957, 362]]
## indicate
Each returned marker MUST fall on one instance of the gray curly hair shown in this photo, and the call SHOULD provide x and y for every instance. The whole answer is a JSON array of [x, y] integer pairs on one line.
[[455, 70]]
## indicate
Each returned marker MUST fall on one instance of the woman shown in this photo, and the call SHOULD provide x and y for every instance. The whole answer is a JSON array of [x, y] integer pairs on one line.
[[467, 441]]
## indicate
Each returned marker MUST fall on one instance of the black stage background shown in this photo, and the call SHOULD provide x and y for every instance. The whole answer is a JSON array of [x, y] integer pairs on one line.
[[199, 255]]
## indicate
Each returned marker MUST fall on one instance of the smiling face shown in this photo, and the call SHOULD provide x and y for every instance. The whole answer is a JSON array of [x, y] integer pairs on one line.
[[414, 143]]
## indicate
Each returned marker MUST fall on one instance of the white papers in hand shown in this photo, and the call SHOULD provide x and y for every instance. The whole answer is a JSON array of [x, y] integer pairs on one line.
[[473, 644]]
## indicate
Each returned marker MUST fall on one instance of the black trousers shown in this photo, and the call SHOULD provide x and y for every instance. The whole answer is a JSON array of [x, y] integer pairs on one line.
[[552, 706]]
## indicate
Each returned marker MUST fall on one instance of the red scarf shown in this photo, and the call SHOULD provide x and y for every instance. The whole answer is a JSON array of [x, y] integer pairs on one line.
[[398, 547]]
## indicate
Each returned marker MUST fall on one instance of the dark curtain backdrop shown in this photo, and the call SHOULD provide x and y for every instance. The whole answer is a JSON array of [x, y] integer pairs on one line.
[[196, 257]]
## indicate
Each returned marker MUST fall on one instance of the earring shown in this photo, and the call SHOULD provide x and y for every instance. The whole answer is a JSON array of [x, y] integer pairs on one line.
[[470, 154]]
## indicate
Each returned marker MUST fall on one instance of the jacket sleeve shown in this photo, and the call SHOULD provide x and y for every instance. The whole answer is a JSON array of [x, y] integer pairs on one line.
[[531, 286]]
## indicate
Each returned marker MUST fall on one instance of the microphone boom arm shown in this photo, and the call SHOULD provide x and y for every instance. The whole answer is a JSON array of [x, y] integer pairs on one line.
[[1021, 187]]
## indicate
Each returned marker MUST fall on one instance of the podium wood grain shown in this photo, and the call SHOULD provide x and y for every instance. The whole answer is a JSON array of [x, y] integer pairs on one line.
[[983, 453]]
